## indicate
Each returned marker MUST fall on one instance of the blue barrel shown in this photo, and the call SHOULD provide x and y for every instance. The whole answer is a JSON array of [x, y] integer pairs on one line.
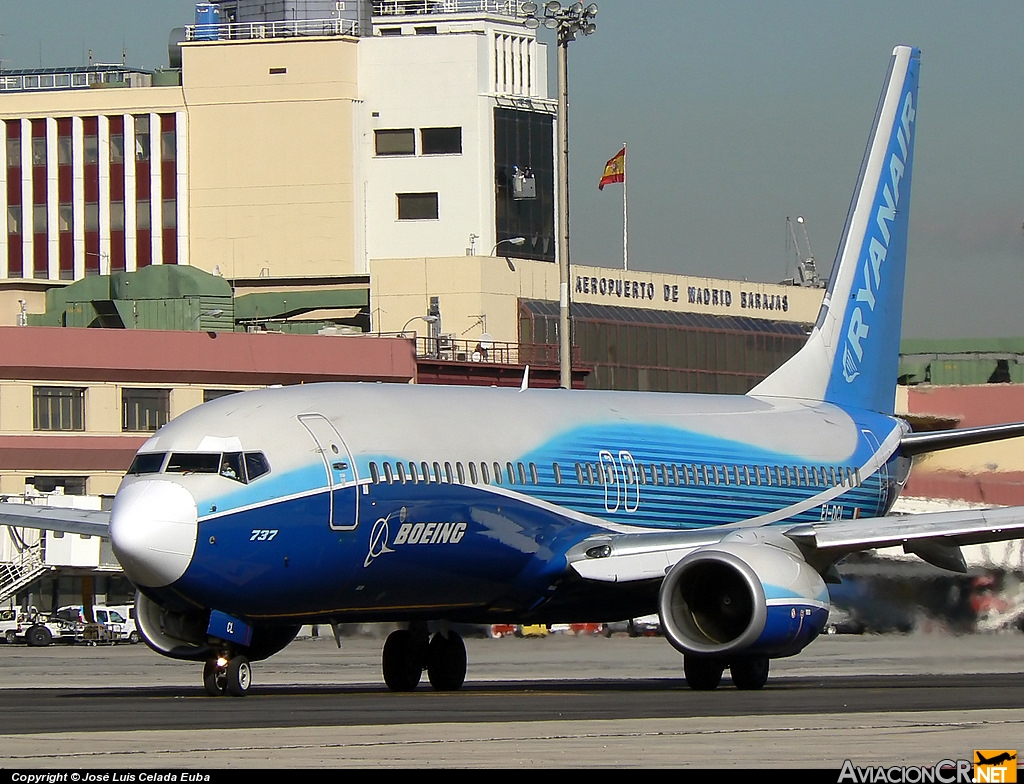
[[207, 21]]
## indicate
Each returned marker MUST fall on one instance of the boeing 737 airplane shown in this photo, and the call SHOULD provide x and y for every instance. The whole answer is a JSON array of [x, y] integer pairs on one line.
[[428, 506]]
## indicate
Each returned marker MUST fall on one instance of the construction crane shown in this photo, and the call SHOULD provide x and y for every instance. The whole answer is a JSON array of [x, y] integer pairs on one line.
[[806, 268]]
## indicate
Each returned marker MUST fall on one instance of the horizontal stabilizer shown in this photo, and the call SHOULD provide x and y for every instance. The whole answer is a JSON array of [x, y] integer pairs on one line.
[[919, 443]]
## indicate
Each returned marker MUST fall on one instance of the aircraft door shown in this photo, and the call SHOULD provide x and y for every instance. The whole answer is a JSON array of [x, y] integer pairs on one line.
[[342, 478]]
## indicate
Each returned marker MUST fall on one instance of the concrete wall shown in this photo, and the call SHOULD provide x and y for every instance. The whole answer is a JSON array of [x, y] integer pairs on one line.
[[987, 473], [270, 152], [469, 287]]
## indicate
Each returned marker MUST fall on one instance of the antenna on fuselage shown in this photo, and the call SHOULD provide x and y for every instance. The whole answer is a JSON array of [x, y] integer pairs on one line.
[[526, 379]]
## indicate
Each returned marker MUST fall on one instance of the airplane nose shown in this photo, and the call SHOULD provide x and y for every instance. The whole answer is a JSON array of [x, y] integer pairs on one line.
[[153, 530]]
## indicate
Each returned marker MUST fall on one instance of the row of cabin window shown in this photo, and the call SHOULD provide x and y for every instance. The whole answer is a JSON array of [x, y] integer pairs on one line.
[[695, 474], [600, 474], [475, 473]]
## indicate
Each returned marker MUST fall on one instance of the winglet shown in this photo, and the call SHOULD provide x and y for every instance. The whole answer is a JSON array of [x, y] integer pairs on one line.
[[852, 353]]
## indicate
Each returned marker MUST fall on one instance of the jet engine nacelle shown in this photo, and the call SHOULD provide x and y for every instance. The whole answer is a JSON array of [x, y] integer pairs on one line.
[[182, 635], [748, 594]]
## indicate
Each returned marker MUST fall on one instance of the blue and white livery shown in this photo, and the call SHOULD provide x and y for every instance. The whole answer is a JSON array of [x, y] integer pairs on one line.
[[327, 503]]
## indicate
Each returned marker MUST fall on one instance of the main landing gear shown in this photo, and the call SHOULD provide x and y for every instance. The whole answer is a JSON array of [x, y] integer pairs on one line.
[[227, 675], [704, 673], [408, 652]]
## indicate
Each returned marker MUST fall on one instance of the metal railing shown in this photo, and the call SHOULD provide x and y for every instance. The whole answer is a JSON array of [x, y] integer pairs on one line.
[[424, 7], [448, 349], [242, 31], [22, 571]]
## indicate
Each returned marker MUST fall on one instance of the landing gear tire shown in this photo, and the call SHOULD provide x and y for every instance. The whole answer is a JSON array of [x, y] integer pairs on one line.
[[403, 660], [233, 678], [749, 673], [238, 676], [703, 673], [446, 662], [213, 679]]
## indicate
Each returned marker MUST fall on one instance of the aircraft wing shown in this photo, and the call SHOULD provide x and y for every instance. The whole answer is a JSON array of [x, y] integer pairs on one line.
[[971, 526], [936, 537], [52, 518]]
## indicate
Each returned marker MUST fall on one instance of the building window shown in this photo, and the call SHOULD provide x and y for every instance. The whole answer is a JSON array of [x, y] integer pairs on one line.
[[39, 218], [69, 485], [92, 148], [64, 150], [168, 146], [440, 141], [214, 394], [14, 219], [117, 148], [58, 408], [142, 214], [142, 137], [170, 214], [144, 409], [401, 141], [39, 151], [525, 140], [417, 206]]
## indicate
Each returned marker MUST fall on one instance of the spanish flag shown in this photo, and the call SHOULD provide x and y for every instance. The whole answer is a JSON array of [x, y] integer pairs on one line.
[[614, 170]]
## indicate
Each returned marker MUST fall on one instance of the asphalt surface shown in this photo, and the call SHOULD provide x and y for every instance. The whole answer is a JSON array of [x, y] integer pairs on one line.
[[558, 701]]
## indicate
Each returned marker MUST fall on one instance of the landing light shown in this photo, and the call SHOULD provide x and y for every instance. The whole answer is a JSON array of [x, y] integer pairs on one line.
[[601, 551]]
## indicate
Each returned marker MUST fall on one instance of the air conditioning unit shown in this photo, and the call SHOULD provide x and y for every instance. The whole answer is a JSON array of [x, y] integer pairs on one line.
[[524, 184]]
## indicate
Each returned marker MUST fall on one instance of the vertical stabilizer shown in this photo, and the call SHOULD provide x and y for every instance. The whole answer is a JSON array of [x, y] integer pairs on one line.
[[852, 353]]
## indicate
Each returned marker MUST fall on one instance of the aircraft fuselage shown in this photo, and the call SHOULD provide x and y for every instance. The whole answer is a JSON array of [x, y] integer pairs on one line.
[[364, 508]]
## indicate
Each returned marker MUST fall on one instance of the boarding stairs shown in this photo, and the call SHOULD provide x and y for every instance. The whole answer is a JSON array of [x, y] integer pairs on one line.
[[25, 569]]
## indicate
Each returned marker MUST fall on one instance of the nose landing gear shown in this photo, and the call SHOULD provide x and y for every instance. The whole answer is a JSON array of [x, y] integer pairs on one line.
[[226, 674]]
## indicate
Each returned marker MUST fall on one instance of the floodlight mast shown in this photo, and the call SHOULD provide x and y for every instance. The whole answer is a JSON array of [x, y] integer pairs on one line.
[[568, 21]]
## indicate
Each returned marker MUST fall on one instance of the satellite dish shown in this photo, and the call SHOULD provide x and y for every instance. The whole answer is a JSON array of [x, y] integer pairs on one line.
[[486, 341]]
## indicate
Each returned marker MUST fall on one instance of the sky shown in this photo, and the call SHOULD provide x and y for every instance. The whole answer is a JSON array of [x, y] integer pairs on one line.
[[737, 115]]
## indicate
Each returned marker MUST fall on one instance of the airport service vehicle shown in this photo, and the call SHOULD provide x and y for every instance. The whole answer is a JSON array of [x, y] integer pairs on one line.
[[117, 623], [725, 515], [29, 626]]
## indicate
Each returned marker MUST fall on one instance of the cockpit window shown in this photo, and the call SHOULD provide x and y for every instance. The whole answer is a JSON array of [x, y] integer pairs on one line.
[[231, 466], [193, 463], [241, 467], [147, 463], [256, 465]]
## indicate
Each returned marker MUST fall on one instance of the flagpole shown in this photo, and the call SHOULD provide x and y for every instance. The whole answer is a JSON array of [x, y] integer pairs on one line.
[[625, 234]]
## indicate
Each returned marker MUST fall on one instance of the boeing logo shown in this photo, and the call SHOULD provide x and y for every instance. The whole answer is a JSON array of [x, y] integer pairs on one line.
[[411, 533], [878, 246]]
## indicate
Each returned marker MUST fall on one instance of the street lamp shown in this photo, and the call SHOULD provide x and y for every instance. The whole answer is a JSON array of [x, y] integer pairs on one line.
[[517, 241], [428, 319], [568, 21], [212, 313]]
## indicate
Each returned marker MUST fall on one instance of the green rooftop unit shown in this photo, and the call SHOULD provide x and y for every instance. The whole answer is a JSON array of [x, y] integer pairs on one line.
[[962, 362], [168, 297]]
